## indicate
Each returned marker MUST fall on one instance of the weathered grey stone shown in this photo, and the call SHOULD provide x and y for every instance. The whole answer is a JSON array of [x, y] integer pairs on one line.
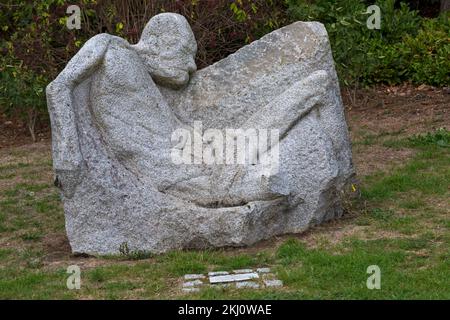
[[247, 285], [263, 270], [233, 277], [191, 290], [217, 273], [194, 276], [115, 107], [192, 283], [273, 283], [243, 271]]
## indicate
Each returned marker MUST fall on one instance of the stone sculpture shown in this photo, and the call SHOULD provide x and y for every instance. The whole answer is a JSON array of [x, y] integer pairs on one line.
[[115, 108]]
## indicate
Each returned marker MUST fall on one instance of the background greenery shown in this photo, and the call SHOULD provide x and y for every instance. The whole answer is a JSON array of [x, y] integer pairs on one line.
[[407, 48], [36, 44]]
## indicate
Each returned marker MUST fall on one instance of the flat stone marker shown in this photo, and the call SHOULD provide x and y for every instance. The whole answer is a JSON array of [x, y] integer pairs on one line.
[[191, 290], [247, 284], [234, 277], [273, 283], [194, 276], [217, 273], [193, 283], [243, 271]]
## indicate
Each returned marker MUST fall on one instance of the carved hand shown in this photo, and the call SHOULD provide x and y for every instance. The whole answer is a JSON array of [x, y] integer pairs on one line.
[[68, 180]]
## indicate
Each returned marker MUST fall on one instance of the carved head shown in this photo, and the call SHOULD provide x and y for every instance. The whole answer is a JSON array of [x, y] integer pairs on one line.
[[168, 47]]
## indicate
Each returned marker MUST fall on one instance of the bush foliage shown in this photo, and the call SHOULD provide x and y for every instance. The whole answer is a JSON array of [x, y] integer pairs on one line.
[[406, 48]]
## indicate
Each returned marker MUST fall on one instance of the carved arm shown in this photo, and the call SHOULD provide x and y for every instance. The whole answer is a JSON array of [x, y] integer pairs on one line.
[[67, 158]]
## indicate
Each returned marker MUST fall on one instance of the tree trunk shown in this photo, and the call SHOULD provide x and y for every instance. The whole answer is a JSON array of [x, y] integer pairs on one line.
[[445, 5], [32, 115]]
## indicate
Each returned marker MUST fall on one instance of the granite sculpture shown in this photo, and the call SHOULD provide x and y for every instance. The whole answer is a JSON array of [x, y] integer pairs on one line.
[[124, 115]]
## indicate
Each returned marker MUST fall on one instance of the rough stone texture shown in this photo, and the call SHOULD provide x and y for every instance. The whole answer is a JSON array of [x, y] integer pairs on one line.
[[233, 277], [247, 285], [193, 276], [115, 106], [191, 290], [217, 273], [243, 271], [192, 283], [273, 283]]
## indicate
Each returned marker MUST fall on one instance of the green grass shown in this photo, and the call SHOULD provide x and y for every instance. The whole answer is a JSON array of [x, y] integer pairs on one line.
[[428, 173], [402, 217], [440, 138]]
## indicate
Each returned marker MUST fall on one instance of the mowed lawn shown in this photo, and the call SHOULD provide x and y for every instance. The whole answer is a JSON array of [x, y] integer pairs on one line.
[[400, 222]]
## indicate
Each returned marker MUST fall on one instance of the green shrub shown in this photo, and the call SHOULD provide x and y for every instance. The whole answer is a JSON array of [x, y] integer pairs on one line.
[[441, 137], [344, 20], [407, 48], [22, 93], [428, 53]]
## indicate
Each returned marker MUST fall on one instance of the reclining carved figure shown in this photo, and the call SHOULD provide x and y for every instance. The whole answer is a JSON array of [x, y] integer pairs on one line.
[[115, 107]]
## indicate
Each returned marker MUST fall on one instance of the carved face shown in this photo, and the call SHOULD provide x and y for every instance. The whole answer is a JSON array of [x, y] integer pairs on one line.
[[173, 65], [167, 48]]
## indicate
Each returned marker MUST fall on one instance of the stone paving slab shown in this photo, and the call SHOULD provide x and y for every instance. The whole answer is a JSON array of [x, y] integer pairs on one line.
[[189, 290], [234, 277], [194, 276], [273, 283], [247, 284], [240, 279], [193, 283], [217, 273], [243, 271]]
